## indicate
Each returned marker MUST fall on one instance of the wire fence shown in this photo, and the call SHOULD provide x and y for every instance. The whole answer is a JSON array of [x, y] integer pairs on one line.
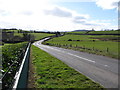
[[106, 51]]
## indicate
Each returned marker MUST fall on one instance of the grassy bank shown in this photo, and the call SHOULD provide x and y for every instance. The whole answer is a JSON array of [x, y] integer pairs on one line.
[[98, 44], [53, 73]]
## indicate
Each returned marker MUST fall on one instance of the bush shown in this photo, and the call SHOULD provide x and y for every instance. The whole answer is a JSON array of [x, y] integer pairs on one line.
[[69, 39]]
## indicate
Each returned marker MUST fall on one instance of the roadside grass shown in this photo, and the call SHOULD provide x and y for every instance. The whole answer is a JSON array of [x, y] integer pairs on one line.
[[53, 73], [98, 44]]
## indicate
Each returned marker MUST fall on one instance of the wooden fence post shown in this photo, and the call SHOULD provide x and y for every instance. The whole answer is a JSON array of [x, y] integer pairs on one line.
[[107, 49]]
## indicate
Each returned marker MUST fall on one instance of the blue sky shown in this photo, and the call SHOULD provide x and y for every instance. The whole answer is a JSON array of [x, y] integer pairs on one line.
[[57, 15], [91, 8], [95, 12]]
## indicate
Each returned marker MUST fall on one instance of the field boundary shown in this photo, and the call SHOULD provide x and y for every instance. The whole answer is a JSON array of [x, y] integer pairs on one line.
[[82, 48]]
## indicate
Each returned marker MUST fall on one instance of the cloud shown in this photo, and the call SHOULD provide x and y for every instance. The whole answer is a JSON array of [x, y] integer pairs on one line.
[[107, 4], [79, 19], [84, 21], [4, 13], [74, 17], [57, 11], [42, 15], [27, 13]]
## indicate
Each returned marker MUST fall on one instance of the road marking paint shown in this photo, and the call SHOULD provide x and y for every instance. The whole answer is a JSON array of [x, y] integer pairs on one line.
[[82, 58], [38, 44], [106, 65], [73, 55]]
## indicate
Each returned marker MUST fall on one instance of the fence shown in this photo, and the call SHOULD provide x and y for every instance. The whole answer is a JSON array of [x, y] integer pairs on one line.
[[106, 51]]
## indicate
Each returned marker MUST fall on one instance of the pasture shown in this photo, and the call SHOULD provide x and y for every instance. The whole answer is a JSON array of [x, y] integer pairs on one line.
[[105, 32], [98, 44], [37, 36]]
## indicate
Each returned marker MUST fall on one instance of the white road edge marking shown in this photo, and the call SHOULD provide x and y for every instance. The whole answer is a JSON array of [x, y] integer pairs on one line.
[[72, 55], [106, 65], [37, 44]]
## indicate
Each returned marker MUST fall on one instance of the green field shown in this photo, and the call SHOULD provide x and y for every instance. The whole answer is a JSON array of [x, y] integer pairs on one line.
[[14, 37], [80, 32], [98, 44], [39, 36], [104, 32], [94, 32], [53, 73], [18, 34]]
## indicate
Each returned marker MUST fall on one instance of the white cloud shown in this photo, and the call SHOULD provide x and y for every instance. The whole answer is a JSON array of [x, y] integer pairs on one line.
[[60, 12], [27, 13], [42, 14], [107, 4]]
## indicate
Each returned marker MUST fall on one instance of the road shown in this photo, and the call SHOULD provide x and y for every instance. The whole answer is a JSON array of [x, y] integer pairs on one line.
[[101, 69]]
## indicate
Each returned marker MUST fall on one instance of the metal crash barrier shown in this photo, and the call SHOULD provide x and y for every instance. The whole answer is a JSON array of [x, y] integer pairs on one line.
[[22, 75]]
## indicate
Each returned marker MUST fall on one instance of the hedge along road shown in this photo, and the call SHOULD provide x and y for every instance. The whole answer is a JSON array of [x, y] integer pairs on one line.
[[100, 69]]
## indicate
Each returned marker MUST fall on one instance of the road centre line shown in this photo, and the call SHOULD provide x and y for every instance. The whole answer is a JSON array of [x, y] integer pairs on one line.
[[82, 58]]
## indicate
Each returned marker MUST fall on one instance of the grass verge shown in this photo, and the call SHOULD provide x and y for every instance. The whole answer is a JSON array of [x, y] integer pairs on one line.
[[53, 73]]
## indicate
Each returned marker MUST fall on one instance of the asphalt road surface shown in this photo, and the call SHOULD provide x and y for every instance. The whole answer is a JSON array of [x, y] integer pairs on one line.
[[100, 69]]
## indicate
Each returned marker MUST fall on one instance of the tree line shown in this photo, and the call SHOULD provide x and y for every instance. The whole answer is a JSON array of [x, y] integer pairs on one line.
[[10, 37]]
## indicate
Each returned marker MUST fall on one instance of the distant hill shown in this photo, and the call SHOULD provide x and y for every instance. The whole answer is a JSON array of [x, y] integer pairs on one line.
[[80, 30]]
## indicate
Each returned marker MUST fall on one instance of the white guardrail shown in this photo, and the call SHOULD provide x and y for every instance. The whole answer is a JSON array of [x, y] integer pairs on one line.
[[22, 75]]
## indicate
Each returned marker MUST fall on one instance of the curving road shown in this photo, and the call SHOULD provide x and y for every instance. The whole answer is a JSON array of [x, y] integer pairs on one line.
[[100, 69]]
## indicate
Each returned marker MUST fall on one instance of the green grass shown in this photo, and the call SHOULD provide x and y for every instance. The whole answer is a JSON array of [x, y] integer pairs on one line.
[[39, 36], [53, 73], [80, 32], [18, 34], [104, 32], [98, 44], [95, 32]]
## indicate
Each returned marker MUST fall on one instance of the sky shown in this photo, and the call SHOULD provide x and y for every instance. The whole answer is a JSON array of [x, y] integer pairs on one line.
[[59, 15]]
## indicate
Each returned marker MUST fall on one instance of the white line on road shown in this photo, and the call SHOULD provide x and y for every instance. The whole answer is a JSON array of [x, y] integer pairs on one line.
[[82, 58], [38, 43], [71, 54]]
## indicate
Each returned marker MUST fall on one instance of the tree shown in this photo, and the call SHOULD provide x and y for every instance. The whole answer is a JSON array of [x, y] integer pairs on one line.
[[57, 34], [28, 37]]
